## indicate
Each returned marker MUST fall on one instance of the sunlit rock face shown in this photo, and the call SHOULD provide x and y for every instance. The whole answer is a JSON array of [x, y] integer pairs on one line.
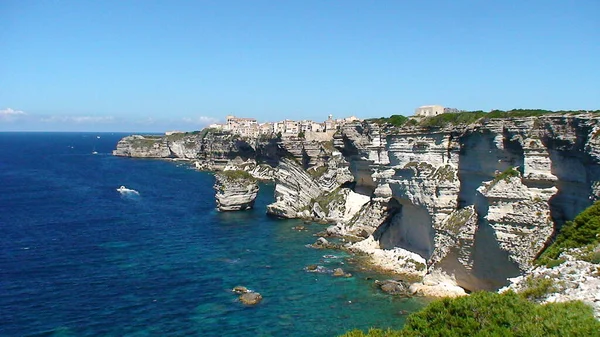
[[445, 197], [474, 204], [234, 193]]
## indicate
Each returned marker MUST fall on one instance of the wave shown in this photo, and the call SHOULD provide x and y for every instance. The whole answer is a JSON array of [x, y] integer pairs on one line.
[[125, 190]]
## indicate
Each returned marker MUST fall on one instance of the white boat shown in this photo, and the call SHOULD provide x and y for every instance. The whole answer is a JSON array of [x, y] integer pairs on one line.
[[125, 190], [95, 152]]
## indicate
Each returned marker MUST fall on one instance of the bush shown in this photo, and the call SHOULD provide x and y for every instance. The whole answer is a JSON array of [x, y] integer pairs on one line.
[[453, 118], [395, 120], [237, 174], [582, 232], [536, 288], [492, 314], [507, 174]]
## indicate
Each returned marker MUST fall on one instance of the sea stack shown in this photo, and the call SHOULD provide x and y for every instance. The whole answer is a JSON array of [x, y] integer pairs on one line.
[[235, 190]]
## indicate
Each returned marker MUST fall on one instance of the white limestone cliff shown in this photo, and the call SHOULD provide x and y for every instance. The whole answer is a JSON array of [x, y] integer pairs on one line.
[[436, 193], [235, 191]]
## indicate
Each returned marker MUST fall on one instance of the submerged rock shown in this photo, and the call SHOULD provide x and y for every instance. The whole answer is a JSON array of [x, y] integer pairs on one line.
[[338, 272], [250, 298], [235, 190], [393, 287], [322, 243], [240, 290]]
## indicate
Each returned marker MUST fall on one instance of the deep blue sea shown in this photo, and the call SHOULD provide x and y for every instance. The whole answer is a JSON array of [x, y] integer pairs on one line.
[[77, 258]]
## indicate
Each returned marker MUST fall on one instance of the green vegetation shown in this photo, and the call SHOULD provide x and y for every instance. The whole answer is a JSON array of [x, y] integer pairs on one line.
[[492, 314], [506, 175], [532, 113], [328, 145], [445, 173], [395, 120], [335, 196], [536, 288], [301, 135], [419, 166], [458, 219], [418, 265], [177, 136], [583, 232], [467, 117], [237, 174], [205, 132], [145, 142], [317, 171]]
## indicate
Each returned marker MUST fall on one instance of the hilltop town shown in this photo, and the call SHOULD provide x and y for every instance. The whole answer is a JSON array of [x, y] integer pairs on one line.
[[249, 127]]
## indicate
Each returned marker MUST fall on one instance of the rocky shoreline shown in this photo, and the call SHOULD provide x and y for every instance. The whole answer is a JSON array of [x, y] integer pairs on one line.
[[460, 208]]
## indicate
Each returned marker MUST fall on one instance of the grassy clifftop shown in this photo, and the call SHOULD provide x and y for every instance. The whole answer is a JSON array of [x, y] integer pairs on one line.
[[468, 117]]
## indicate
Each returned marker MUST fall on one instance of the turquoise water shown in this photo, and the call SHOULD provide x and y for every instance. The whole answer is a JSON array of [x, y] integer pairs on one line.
[[80, 259]]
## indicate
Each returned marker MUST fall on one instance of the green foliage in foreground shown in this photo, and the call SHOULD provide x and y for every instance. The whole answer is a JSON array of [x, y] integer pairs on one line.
[[491, 314], [582, 232]]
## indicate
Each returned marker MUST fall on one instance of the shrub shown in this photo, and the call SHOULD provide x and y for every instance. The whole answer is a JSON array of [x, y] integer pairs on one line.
[[507, 174], [583, 231], [237, 174], [492, 314], [453, 119], [536, 288], [395, 120], [317, 171]]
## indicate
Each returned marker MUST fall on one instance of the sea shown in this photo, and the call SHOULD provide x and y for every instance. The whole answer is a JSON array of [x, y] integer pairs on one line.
[[79, 258]]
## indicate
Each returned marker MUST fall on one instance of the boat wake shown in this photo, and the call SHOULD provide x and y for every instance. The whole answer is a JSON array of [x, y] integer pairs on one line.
[[127, 191]]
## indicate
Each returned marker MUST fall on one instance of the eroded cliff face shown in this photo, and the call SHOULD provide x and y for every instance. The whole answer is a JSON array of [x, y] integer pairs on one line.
[[468, 205], [451, 196]]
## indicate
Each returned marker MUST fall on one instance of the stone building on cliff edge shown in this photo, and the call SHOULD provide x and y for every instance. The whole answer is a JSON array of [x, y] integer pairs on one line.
[[429, 110]]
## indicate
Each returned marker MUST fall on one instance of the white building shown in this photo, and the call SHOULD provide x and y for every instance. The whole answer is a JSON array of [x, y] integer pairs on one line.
[[429, 110], [234, 123]]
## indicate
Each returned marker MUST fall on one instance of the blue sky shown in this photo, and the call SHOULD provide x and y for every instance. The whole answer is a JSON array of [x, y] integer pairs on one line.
[[158, 65]]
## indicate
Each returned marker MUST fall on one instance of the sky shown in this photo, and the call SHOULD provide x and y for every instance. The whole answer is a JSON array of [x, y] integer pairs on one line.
[[146, 65]]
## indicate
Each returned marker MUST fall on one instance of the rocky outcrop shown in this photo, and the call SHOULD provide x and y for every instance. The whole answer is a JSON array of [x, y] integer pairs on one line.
[[235, 190], [571, 281], [519, 216], [294, 191], [250, 298], [143, 147]]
